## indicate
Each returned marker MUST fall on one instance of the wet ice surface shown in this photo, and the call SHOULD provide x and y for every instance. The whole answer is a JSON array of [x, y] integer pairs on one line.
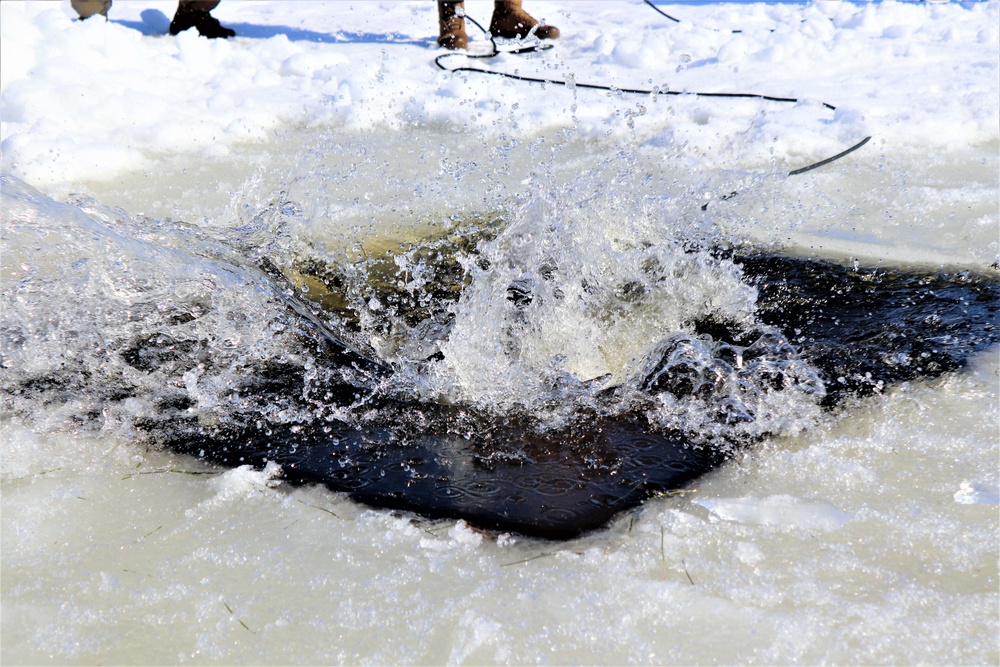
[[846, 545], [869, 538]]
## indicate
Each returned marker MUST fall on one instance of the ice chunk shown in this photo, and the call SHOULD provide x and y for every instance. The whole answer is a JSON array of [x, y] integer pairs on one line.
[[781, 510], [968, 494]]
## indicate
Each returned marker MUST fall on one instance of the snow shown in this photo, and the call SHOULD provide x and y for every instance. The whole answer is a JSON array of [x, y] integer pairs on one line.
[[92, 100]]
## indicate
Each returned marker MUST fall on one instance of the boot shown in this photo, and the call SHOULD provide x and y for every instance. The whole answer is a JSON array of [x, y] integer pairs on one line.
[[451, 25], [510, 21], [195, 15]]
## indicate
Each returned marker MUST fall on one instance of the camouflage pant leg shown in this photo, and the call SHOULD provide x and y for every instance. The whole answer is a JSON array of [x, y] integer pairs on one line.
[[87, 8]]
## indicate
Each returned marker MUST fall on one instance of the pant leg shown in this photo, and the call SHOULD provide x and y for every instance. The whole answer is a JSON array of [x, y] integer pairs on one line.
[[197, 5], [87, 8]]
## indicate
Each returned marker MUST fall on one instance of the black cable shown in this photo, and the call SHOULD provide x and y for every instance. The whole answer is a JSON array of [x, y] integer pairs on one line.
[[660, 11], [796, 172], [802, 170], [635, 91], [614, 89]]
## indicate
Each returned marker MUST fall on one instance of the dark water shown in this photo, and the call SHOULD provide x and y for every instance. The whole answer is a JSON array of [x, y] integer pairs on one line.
[[207, 349]]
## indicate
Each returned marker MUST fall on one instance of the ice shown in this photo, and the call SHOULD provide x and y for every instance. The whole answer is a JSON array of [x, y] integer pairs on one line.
[[782, 511], [244, 482], [968, 494], [867, 536]]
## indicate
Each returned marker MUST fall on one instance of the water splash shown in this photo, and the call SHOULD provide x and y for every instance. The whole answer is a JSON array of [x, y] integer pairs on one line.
[[123, 318], [563, 305]]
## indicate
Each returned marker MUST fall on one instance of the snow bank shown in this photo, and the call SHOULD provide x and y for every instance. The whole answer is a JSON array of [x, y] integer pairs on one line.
[[92, 100]]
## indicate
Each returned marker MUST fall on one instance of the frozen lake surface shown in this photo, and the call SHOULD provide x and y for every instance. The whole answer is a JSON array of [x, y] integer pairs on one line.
[[864, 535]]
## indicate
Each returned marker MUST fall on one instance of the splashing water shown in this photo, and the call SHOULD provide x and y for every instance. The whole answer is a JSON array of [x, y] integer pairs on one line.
[[114, 316], [566, 303]]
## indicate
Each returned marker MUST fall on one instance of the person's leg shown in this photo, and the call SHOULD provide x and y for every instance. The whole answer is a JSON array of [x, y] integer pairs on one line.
[[451, 25], [87, 8], [511, 21], [198, 5], [195, 14]]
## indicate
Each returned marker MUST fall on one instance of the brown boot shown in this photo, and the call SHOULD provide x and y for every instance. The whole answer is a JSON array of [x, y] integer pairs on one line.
[[512, 22], [451, 25]]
